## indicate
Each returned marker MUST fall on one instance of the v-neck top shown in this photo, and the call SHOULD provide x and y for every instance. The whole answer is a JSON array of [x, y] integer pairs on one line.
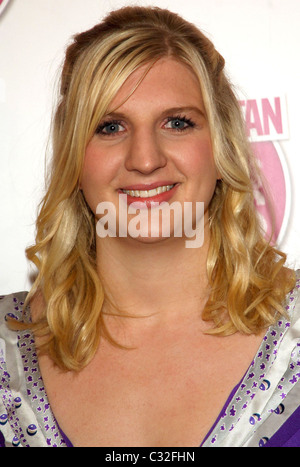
[[262, 410]]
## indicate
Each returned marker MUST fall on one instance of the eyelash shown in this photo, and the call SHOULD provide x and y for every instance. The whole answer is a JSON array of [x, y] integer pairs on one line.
[[181, 118], [101, 127]]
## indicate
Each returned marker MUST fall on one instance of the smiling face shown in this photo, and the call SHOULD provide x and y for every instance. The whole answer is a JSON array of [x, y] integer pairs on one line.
[[154, 146]]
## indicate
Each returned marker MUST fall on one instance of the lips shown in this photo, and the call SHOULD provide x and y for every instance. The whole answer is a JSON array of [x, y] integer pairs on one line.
[[148, 193], [155, 192]]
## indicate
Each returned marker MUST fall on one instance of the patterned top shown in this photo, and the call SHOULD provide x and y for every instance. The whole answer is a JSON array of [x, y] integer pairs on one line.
[[263, 410]]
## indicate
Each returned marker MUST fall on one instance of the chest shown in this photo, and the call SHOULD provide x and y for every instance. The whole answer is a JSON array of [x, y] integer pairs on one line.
[[169, 396]]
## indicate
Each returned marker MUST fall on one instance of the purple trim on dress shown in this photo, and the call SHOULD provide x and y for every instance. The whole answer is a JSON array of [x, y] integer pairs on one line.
[[288, 435], [223, 411], [66, 439], [2, 440]]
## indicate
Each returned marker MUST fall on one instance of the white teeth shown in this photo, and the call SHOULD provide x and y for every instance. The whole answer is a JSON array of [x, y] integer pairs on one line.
[[148, 193]]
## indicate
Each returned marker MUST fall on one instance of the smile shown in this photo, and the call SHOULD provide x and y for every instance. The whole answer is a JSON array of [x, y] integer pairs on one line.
[[148, 193]]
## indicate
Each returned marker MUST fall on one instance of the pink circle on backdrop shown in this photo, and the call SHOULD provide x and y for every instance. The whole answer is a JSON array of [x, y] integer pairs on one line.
[[277, 189]]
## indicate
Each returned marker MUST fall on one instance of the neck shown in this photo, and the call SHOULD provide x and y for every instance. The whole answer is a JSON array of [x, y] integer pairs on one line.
[[161, 279]]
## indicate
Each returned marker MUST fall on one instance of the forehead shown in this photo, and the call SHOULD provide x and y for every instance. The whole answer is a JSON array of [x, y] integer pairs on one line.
[[167, 83]]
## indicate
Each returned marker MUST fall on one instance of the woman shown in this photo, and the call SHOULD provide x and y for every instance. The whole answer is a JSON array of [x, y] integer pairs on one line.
[[128, 337]]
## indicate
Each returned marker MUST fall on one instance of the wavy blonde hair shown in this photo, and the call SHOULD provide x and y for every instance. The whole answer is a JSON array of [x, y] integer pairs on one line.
[[245, 272]]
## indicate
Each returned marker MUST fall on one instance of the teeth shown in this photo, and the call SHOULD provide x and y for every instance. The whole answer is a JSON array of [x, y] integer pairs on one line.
[[148, 193]]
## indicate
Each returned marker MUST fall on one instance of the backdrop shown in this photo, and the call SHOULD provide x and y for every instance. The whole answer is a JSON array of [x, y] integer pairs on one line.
[[259, 40]]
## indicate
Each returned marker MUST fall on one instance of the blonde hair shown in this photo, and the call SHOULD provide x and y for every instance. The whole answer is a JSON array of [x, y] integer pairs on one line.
[[246, 274]]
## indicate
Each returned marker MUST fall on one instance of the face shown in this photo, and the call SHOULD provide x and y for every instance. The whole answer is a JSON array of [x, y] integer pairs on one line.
[[154, 146]]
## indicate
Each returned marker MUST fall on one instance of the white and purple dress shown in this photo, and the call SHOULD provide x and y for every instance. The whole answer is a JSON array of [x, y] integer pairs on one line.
[[262, 410]]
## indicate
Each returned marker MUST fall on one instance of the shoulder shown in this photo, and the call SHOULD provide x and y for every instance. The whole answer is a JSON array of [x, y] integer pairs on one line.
[[12, 305], [26, 418]]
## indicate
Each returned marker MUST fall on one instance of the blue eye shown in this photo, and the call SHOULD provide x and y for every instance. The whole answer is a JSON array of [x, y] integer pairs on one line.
[[179, 123], [110, 128]]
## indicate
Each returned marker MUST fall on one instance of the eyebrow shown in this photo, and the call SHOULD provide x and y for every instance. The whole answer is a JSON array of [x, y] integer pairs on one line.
[[176, 110], [167, 112]]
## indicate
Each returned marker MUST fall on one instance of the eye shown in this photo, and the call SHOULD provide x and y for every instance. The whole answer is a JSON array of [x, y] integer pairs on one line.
[[110, 128], [179, 123]]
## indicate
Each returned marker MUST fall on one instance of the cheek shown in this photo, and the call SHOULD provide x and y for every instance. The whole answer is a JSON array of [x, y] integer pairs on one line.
[[90, 171], [199, 161], [95, 176], [200, 172]]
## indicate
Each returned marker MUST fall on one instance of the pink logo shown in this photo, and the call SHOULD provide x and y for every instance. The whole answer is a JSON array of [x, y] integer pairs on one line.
[[266, 122], [277, 197]]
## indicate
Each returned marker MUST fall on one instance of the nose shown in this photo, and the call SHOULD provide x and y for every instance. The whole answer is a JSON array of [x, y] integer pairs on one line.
[[145, 153]]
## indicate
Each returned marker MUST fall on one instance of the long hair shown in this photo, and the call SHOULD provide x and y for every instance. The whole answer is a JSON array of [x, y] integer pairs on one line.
[[246, 275]]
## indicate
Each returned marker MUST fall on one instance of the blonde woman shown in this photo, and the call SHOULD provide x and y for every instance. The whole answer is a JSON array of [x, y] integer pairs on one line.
[[133, 335]]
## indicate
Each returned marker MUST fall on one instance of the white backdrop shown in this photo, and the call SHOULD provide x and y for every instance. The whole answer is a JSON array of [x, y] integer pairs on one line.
[[258, 38]]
